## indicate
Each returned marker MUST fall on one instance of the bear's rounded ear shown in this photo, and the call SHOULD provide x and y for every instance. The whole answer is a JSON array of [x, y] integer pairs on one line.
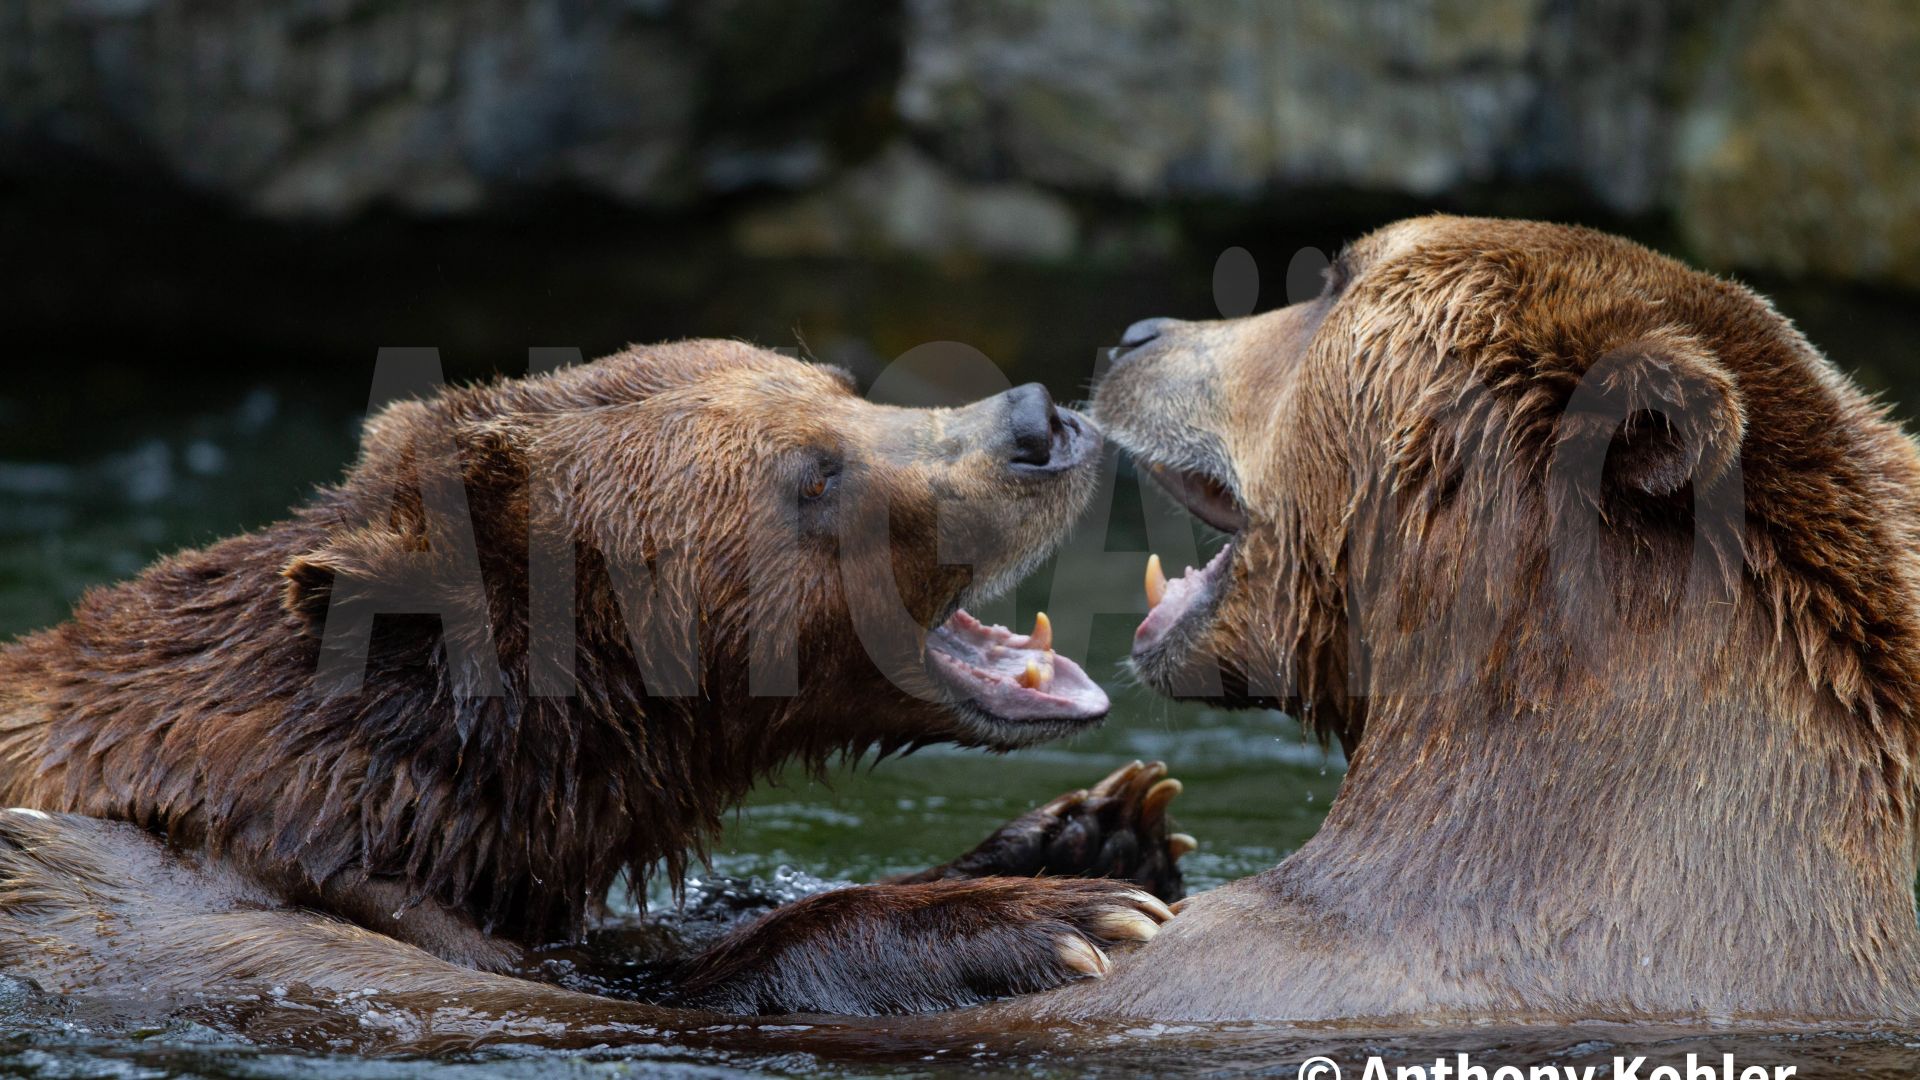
[[1663, 412], [364, 554]]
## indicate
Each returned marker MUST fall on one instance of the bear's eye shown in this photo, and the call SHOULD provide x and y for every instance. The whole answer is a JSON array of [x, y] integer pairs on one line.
[[818, 480]]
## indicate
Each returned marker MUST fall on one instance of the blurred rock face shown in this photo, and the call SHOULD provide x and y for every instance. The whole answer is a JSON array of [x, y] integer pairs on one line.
[[1803, 153], [1231, 98], [1782, 134], [323, 107]]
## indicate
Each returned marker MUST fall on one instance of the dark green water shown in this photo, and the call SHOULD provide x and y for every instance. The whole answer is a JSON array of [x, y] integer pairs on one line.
[[177, 399]]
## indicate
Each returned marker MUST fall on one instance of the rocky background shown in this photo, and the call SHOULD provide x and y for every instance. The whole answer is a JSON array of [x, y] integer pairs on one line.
[[1777, 136]]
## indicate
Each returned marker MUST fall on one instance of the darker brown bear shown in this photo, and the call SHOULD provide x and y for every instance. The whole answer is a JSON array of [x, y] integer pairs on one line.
[[686, 565]]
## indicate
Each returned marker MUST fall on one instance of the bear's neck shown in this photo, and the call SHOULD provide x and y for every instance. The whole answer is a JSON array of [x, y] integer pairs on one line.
[[185, 701], [1645, 821]]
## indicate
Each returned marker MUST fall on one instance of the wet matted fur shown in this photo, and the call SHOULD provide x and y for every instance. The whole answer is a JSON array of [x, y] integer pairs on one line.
[[1610, 584], [472, 794]]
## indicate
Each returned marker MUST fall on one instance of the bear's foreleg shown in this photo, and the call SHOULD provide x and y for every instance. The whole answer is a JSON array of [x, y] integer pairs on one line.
[[921, 947]]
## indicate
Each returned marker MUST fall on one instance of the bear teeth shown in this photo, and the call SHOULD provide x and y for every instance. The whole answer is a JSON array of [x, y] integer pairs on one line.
[[1013, 676], [1038, 676]]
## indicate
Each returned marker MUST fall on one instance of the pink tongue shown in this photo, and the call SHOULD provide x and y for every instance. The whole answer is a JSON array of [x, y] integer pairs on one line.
[[990, 664]]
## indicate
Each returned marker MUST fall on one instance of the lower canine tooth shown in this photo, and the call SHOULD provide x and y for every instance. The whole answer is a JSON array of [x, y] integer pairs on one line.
[[1156, 582], [1042, 636]]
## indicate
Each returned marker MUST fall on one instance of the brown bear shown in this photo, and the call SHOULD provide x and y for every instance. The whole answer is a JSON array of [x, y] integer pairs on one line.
[[386, 750], [1609, 584]]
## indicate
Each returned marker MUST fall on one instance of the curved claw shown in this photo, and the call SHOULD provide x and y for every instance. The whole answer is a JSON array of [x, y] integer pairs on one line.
[[1130, 776], [1151, 904], [1154, 806], [1115, 829], [1081, 955], [1126, 926]]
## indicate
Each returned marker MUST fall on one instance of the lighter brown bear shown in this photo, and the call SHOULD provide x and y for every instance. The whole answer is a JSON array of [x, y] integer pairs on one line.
[[1609, 584]]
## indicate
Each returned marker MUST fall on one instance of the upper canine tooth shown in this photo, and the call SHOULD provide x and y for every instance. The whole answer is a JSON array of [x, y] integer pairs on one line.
[[1042, 636], [1156, 582]]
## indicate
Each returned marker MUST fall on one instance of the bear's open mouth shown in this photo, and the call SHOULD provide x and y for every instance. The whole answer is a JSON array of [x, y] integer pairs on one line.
[[1169, 602], [1013, 676], [1190, 599]]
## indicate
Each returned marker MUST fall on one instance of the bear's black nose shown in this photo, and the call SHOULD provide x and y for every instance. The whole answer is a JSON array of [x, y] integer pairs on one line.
[[1032, 424]]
